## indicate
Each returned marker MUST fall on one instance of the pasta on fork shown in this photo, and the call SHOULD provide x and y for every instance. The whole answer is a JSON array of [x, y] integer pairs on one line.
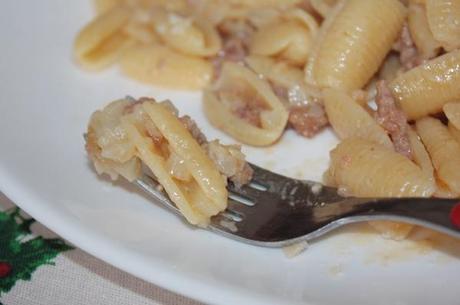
[[383, 74], [192, 170]]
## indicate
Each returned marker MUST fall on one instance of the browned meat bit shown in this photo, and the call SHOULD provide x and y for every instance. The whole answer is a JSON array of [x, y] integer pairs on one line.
[[230, 161], [308, 120], [192, 127], [236, 35], [392, 119], [245, 104], [408, 54]]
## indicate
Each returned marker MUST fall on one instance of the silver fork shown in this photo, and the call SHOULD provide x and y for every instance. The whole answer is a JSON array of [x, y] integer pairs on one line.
[[276, 211]]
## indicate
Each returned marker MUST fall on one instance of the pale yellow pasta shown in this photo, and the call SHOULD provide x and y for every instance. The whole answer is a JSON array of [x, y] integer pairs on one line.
[[444, 20], [274, 70], [323, 7], [443, 191], [162, 66], [420, 31], [425, 89], [365, 169], [179, 194], [443, 149], [240, 91], [420, 155], [101, 42], [351, 44], [183, 144], [141, 33], [454, 131], [390, 68], [293, 37], [349, 119], [452, 112], [186, 34]]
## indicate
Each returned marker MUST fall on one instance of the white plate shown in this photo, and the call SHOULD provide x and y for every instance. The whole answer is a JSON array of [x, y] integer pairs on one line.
[[45, 104]]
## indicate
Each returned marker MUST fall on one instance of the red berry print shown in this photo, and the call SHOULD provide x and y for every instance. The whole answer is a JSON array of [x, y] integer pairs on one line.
[[5, 269], [455, 215]]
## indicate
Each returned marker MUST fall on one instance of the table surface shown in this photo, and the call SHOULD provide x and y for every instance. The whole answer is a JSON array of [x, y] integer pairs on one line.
[[78, 278]]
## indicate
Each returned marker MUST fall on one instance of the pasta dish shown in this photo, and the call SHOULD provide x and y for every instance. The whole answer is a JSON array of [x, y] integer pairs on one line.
[[384, 75]]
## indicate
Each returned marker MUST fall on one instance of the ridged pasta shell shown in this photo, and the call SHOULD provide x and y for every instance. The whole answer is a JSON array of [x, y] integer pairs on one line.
[[425, 89], [161, 66], [420, 31], [239, 85], [186, 34], [101, 42], [452, 112], [444, 20], [353, 42], [367, 169], [293, 33], [443, 149], [349, 119]]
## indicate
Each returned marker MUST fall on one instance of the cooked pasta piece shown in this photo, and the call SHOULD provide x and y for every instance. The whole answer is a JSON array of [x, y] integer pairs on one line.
[[349, 119], [323, 7], [390, 68], [425, 89], [452, 112], [365, 169], [443, 191], [187, 35], [421, 33], [420, 155], [293, 33], [351, 44], [454, 131], [162, 66], [245, 107], [101, 42], [128, 132], [443, 149], [444, 20]]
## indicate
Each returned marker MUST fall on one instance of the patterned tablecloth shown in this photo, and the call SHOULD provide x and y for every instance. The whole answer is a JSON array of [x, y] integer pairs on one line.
[[38, 268]]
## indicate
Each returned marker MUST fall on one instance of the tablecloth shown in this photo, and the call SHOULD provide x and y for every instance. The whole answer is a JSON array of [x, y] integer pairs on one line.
[[60, 273]]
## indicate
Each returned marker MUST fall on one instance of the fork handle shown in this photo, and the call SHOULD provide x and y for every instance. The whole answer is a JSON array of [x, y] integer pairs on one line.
[[437, 213]]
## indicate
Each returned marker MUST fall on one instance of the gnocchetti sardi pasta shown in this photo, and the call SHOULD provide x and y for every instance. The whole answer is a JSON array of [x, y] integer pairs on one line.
[[162, 65], [364, 168], [102, 41], [245, 107], [382, 75], [421, 33], [423, 90], [348, 51], [349, 119], [452, 112], [294, 33], [444, 21], [127, 133], [443, 149]]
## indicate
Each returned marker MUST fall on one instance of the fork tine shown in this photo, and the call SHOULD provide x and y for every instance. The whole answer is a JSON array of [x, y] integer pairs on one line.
[[244, 191]]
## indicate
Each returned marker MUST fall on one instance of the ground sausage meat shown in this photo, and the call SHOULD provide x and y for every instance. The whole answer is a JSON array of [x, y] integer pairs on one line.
[[236, 36], [308, 120], [408, 54], [230, 161], [392, 119]]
